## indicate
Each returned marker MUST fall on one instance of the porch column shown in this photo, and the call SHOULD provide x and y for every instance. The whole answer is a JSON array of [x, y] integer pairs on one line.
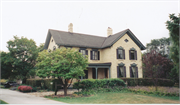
[[96, 72], [109, 72], [81, 78]]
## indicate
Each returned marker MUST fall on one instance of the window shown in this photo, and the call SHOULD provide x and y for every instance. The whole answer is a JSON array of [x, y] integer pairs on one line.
[[121, 71], [54, 48], [52, 40], [95, 55], [120, 53], [84, 52], [134, 72], [132, 54], [126, 40]]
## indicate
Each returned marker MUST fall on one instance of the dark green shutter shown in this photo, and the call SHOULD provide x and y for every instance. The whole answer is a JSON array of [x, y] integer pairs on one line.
[[137, 71], [117, 71], [91, 55], [129, 54], [124, 71], [124, 53], [98, 55], [117, 53]]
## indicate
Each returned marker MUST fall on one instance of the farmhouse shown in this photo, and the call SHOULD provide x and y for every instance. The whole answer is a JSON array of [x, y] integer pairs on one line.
[[116, 55]]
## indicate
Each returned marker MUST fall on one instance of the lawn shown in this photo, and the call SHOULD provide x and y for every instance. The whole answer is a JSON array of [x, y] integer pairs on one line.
[[120, 98], [2, 102]]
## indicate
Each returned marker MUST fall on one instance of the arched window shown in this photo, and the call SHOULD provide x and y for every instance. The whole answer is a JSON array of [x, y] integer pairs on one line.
[[132, 54], [120, 53], [121, 70], [133, 70]]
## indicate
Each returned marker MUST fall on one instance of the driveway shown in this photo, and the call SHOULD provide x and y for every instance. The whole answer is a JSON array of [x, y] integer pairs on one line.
[[15, 97]]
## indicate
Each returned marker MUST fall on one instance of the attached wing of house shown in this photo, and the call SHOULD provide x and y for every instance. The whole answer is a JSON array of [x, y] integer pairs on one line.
[[114, 56]]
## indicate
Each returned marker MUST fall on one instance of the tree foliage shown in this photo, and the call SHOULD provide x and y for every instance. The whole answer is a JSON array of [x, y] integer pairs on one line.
[[23, 53], [6, 67], [160, 45], [65, 64], [156, 66], [173, 27]]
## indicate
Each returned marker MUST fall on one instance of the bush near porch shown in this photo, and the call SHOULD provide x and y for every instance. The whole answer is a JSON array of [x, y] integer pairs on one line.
[[92, 86], [147, 82]]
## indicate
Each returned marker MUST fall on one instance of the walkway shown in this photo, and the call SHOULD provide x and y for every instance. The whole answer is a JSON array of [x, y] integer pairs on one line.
[[15, 97]]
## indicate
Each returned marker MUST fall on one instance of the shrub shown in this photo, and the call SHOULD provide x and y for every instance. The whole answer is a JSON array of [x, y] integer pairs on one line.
[[23, 88], [147, 82], [99, 85], [43, 83]]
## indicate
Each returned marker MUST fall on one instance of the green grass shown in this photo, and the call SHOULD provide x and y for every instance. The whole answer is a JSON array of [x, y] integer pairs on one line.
[[2, 102], [119, 98]]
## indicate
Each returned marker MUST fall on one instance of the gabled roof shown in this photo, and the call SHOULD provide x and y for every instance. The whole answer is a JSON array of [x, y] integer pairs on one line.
[[89, 41]]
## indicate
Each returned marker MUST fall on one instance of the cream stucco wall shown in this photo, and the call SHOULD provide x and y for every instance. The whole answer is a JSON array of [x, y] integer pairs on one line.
[[109, 55]]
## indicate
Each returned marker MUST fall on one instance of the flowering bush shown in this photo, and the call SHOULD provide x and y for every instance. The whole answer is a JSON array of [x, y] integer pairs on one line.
[[25, 88]]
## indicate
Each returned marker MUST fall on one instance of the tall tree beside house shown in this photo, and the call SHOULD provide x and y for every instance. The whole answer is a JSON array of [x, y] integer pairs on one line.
[[23, 53], [65, 64], [156, 66], [173, 27], [160, 45], [6, 65]]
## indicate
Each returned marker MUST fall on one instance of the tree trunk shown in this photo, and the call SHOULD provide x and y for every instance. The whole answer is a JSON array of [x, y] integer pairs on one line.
[[24, 81], [65, 90]]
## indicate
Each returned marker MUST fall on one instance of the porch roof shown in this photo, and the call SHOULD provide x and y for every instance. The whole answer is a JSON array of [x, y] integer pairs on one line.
[[99, 65]]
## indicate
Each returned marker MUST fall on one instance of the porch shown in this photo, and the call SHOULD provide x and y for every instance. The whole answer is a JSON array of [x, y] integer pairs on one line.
[[97, 71]]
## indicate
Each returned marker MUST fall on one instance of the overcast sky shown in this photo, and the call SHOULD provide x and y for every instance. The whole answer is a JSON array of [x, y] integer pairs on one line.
[[32, 19]]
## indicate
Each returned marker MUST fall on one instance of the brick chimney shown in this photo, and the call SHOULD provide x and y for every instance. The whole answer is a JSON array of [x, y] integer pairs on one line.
[[109, 31], [70, 27]]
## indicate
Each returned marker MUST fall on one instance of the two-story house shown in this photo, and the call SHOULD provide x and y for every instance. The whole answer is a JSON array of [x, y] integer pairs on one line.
[[117, 55]]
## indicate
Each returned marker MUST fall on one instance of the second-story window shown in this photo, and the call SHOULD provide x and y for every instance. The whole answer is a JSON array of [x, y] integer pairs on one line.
[[120, 53], [83, 52], [95, 55], [132, 54]]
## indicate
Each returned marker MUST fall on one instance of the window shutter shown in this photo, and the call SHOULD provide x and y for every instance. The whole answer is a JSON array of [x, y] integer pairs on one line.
[[117, 53], [98, 55], [124, 53], [91, 55], [86, 52], [124, 71], [117, 71], [130, 71], [129, 54], [79, 50], [135, 54], [137, 71]]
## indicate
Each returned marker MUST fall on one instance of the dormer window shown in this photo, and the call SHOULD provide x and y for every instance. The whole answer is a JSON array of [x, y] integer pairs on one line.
[[120, 53]]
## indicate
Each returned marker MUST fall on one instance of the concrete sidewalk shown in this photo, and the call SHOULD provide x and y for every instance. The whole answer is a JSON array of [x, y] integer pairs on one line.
[[15, 97]]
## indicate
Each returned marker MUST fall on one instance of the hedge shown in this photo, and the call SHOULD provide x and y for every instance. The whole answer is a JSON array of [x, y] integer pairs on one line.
[[43, 83], [147, 82], [89, 84]]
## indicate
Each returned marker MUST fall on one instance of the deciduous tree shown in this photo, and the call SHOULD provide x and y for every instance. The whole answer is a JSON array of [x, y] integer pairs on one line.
[[173, 27], [65, 64], [156, 66], [23, 52]]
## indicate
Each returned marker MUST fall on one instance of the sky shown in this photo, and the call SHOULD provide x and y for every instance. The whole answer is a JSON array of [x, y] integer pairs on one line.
[[32, 18]]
